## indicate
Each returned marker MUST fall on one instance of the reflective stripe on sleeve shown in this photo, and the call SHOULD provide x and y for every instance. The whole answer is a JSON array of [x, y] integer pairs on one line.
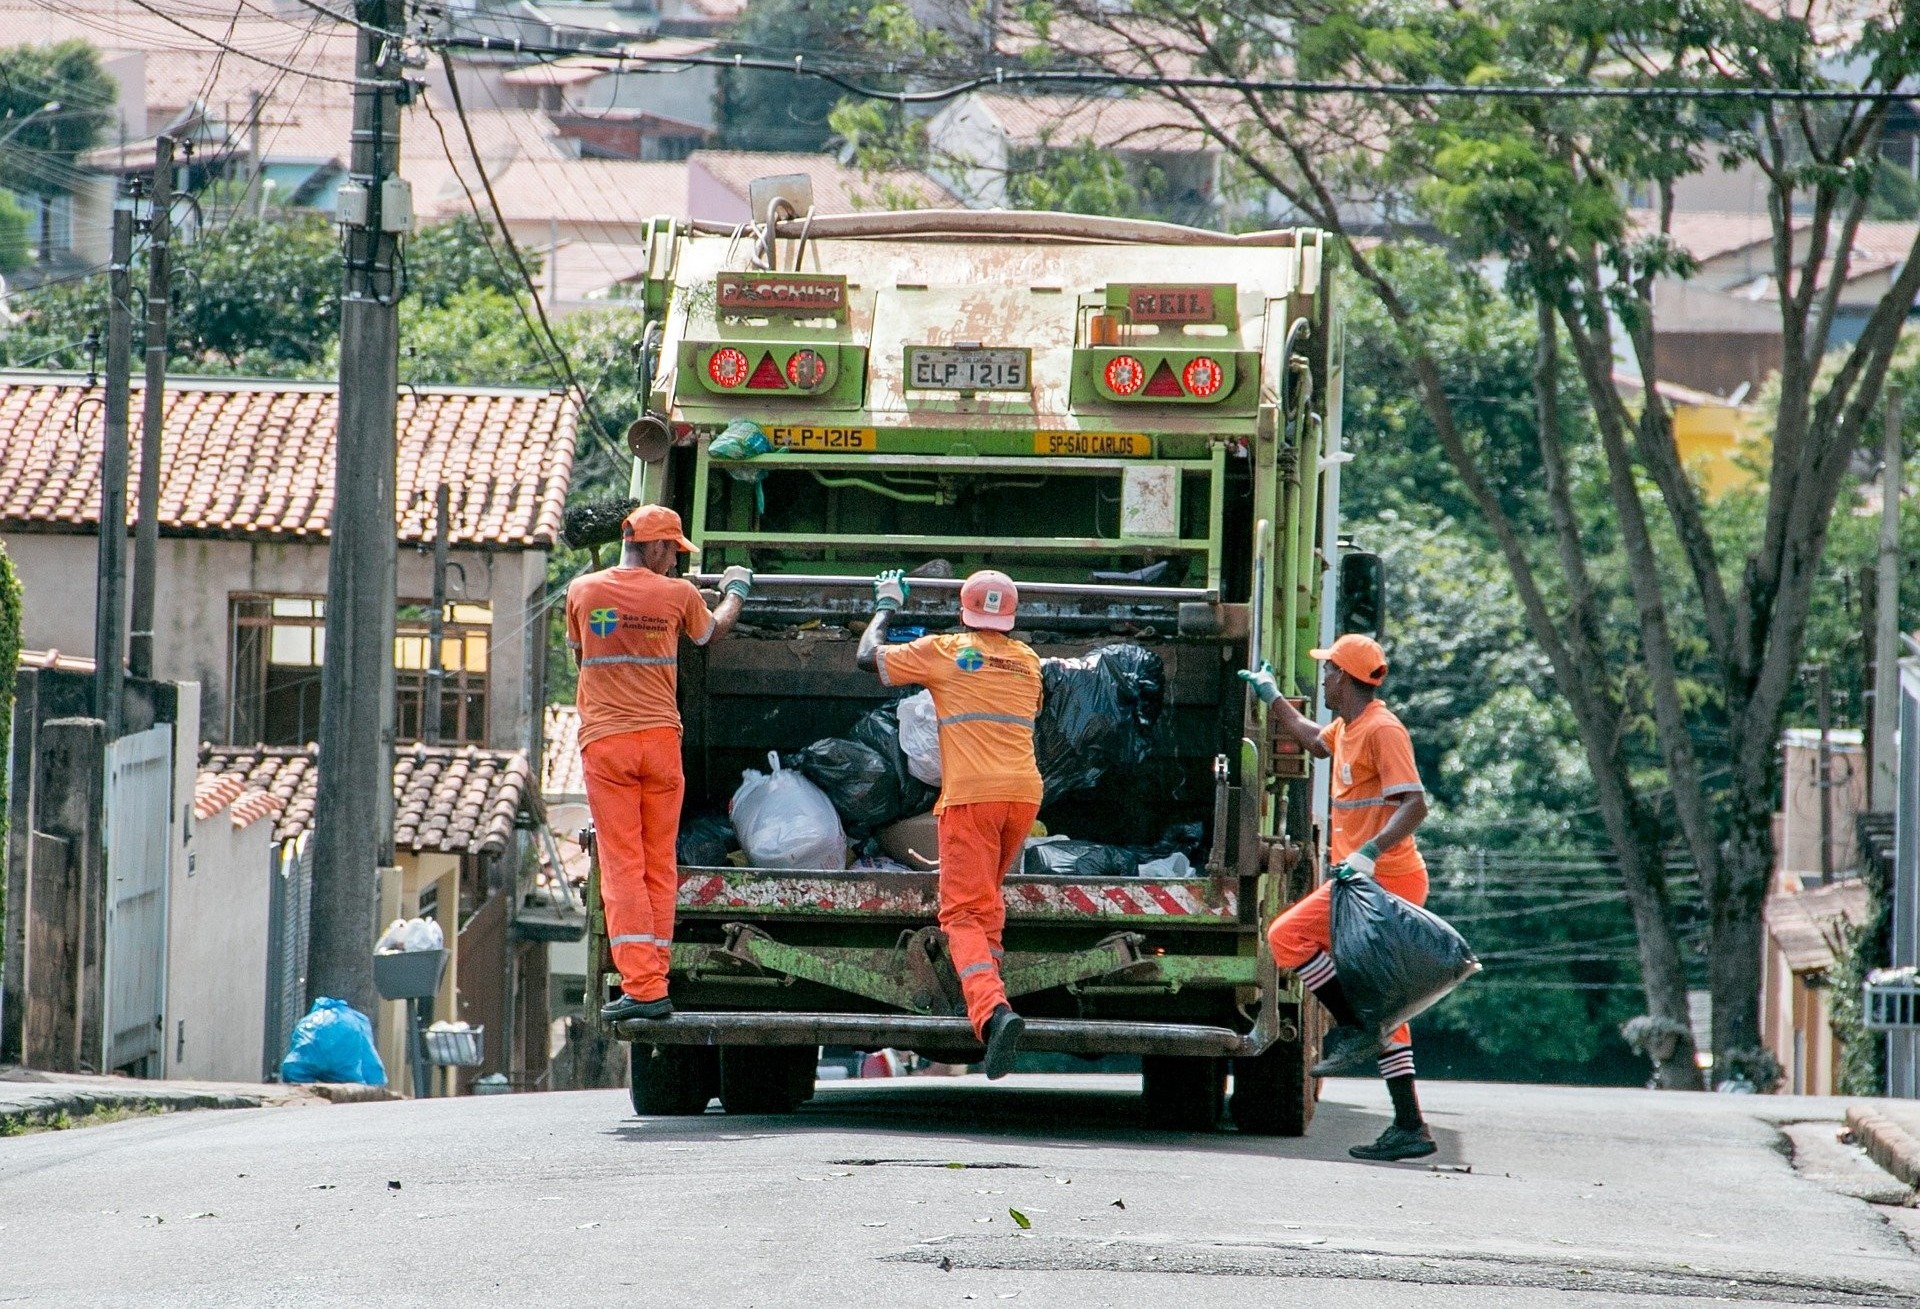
[[1405, 788], [598, 661], [1015, 719]]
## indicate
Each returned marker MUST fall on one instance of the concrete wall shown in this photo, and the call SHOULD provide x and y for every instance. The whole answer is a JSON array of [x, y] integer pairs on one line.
[[217, 952], [685, 95], [198, 579]]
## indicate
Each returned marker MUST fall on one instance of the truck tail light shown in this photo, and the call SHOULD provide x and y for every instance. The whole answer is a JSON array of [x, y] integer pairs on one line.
[[767, 376], [727, 367], [806, 369], [1125, 375], [1202, 376], [1164, 383]]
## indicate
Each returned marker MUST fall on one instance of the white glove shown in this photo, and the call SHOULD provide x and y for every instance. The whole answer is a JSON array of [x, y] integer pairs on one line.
[[1361, 861], [890, 589], [737, 581], [1264, 683]]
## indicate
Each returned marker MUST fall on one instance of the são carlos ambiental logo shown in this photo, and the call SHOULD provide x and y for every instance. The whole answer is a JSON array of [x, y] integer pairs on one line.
[[603, 621], [970, 660]]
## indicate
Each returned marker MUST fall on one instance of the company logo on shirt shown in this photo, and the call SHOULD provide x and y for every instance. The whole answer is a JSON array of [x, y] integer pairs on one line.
[[603, 621], [970, 660], [1346, 774]]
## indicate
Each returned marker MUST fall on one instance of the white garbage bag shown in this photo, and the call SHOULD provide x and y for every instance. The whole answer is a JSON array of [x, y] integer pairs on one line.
[[920, 737], [785, 821]]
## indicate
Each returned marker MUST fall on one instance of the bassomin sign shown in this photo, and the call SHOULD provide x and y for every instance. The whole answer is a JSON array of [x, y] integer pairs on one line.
[[798, 295]]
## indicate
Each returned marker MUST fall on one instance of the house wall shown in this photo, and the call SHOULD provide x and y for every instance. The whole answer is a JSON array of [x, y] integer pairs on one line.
[[217, 952], [969, 151], [199, 577], [710, 199], [685, 96]]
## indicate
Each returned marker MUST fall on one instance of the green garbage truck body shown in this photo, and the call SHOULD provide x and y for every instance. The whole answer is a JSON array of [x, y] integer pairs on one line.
[[1134, 421]]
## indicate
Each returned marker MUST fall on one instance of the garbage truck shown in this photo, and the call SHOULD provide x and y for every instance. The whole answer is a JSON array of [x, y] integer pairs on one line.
[[1139, 422]]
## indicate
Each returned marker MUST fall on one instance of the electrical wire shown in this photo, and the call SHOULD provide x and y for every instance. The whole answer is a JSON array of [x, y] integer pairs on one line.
[[229, 48]]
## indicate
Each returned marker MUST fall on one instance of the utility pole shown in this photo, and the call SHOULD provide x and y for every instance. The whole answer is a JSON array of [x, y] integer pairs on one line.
[[110, 578], [353, 806], [1823, 695], [146, 541], [436, 666], [1886, 637]]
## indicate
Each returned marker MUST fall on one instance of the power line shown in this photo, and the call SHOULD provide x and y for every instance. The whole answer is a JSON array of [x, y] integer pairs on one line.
[[229, 48]]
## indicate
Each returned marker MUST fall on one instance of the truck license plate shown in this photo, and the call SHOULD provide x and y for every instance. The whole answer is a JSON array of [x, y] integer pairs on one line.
[[861, 439], [1096, 445], [946, 368]]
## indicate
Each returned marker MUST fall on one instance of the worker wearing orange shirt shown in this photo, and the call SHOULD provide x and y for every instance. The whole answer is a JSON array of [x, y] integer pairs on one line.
[[624, 624], [1377, 802], [986, 695]]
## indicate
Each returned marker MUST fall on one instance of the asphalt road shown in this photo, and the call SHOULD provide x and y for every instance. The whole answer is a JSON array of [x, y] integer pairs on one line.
[[1539, 1196]]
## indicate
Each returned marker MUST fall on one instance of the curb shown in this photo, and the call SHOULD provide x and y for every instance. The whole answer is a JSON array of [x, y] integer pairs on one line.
[[22, 1112], [1886, 1142]]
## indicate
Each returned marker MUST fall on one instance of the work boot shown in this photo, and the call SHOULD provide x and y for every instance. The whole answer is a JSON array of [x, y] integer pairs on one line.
[[1397, 1142], [628, 1007], [1002, 1039], [1344, 1049]]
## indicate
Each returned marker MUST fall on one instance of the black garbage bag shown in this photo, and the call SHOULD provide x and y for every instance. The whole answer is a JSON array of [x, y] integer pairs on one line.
[[865, 773], [1394, 959], [1080, 859], [1099, 714], [705, 842]]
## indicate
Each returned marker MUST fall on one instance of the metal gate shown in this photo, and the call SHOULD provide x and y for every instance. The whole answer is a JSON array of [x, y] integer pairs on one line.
[[139, 820], [289, 908]]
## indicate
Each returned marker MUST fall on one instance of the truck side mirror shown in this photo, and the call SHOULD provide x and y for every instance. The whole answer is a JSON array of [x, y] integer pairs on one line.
[[1361, 605]]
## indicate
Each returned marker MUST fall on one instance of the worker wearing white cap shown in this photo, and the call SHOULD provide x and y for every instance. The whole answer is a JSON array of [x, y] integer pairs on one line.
[[986, 695]]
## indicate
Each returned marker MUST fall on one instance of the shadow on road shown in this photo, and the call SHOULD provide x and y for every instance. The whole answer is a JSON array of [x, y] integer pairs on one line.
[[942, 1109]]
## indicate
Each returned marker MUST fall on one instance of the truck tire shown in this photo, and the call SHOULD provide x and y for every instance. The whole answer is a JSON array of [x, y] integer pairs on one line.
[[672, 1079], [1273, 1093], [766, 1079], [1181, 1093]]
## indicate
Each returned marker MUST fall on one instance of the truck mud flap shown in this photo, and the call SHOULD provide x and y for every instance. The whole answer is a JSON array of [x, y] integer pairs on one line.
[[910, 1032], [1191, 902]]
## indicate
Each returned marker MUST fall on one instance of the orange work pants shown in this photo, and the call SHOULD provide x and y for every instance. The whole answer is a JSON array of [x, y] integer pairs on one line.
[[1305, 929], [634, 788], [978, 844]]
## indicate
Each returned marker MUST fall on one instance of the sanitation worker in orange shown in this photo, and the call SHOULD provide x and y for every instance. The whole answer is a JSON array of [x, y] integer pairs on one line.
[[986, 695], [1377, 802], [624, 625]]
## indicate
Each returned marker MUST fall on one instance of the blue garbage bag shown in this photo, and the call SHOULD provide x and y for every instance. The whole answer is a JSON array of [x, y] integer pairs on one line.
[[333, 1043]]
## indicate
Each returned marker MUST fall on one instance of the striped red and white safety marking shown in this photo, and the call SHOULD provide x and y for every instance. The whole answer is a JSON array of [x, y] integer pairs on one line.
[[918, 896]]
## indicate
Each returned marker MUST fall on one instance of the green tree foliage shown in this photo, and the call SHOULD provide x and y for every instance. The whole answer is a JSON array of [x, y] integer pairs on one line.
[[1077, 179], [16, 241], [42, 143]]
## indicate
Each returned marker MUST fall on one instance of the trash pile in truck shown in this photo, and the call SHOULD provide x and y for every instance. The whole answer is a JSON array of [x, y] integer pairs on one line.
[[864, 800]]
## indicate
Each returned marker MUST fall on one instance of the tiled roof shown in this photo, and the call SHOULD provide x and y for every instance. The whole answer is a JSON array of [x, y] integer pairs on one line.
[[1133, 122], [1808, 926], [255, 459], [621, 193], [447, 799], [837, 189], [560, 775]]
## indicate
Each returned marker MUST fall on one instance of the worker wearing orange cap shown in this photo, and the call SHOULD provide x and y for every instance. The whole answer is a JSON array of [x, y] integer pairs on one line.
[[986, 695], [1377, 801], [624, 625]]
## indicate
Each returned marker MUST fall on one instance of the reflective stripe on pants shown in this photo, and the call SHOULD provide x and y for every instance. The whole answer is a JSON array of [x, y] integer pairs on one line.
[[978, 844], [634, 788]]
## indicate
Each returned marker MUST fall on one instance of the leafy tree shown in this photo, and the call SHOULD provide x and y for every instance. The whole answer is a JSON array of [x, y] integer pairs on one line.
[[42, 142], [1712, 644], [1079, 179]]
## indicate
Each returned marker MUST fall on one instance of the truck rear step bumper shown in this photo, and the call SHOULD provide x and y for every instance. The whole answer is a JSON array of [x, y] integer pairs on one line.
[[917, 1032]]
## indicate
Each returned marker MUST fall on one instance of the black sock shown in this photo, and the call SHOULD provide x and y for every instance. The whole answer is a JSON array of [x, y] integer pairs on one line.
[[1334, 1000], [1406, 1105]]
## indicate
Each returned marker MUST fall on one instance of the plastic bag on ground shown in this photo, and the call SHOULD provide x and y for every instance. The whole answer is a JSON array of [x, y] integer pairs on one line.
[[784, 821], [920, 737], [1394, 959], [333, 1043], [1099, 714]]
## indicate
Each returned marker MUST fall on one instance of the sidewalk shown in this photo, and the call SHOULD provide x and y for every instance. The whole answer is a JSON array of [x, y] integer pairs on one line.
[[1889, 1131], [30, 1099]]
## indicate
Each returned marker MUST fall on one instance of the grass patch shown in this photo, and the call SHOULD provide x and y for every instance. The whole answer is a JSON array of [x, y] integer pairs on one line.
[[59, 1120]]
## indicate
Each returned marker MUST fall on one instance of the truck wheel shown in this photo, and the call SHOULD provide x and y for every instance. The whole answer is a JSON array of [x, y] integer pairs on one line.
[[1273, 1093], [672, 1079], [1181, 1093], [766, 1079]]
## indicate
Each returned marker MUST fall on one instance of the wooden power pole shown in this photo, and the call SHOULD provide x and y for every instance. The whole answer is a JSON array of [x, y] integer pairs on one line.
[[353, 806], [1881, 759], [146, 541], [110, 577]]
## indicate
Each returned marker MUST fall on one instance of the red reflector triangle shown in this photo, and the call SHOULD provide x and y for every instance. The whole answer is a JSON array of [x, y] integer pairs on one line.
[[1163, 383], [767, 377]]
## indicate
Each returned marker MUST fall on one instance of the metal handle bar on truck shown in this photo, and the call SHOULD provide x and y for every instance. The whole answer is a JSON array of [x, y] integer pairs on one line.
[[1093, 590]]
